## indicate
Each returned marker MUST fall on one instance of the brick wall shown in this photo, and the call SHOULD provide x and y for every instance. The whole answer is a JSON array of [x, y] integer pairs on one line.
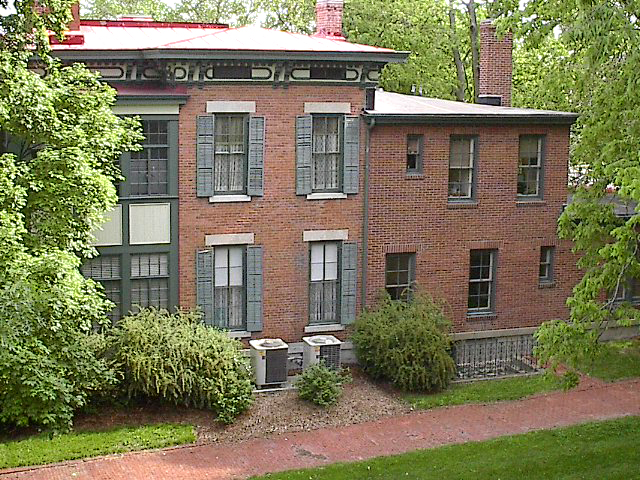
[[411, 214], [496, 64], [277, 219]]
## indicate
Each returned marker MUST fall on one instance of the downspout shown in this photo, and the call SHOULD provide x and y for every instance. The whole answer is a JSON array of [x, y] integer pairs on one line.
[[371, 122]]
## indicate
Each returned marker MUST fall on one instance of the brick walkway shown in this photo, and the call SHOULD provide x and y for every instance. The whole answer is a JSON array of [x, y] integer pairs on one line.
[[390, 435]]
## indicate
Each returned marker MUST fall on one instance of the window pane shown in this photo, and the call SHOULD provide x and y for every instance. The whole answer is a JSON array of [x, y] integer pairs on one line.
[[480, 279]]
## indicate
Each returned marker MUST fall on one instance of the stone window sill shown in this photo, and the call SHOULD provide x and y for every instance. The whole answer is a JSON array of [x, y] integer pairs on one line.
[[481, 315], [326, 196], [239, 334], [530, 202], [229, 198], [547, 284], [333, 327], [414, 176], [462, 204]]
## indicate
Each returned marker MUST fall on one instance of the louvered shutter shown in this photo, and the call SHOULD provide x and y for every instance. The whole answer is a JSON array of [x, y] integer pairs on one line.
[[348, 282], [204, 284], [304, 153], [351, 161], [254, 288], [255, 175], [205, 155]]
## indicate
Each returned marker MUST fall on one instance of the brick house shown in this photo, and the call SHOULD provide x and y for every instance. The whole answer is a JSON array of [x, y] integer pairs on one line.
[[279, 191]]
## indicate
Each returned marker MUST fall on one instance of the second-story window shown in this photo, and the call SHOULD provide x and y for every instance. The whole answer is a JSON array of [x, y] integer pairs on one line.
[[462, 157], [530, 166], [148, 174], [230, 154], [414, 153], [327, 150]]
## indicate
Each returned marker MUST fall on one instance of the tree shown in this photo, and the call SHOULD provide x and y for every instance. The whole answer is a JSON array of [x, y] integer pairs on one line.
[[601, 77], [111, 9], [296, 16], [57, 173]]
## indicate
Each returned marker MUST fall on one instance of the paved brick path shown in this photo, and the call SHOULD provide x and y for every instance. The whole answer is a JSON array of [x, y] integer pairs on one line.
[[390, 435]]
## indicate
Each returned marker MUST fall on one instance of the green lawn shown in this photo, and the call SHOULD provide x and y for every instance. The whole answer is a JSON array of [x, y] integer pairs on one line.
[[616, 361], [604, 450], [487, 391], [41, 449]]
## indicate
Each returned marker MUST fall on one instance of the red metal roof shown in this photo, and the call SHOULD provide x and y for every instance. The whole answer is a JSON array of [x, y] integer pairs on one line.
[[141, 35]]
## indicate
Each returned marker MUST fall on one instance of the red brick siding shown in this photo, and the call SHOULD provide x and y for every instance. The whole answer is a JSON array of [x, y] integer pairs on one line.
[[412, 214], [277, 219]]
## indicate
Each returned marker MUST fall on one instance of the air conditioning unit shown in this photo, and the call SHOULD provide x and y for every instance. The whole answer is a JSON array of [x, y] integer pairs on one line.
[[325, 348], [269, 361]]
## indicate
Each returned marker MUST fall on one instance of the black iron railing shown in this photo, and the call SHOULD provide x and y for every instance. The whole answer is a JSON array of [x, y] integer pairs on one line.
[[494, 357]]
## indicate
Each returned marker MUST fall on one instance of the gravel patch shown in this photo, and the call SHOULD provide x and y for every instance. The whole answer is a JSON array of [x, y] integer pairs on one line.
[[272, 413]]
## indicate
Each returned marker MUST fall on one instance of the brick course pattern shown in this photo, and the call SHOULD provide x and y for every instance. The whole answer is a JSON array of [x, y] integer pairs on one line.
[[496, 63], [279, 218], [411, 213], [329, 17]]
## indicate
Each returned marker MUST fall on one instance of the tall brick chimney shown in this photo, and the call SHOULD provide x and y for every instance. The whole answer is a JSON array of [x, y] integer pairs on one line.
[[329, 18], [74, 25], [496, 66]]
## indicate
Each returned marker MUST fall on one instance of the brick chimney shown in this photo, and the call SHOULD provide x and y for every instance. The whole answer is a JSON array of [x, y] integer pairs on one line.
[[74, 25], [329, 18], [496, 66]]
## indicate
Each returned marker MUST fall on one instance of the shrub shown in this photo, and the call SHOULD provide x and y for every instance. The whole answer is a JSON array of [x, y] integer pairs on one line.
[[48, 365], [406, 343], [321, 385], [175, 358]]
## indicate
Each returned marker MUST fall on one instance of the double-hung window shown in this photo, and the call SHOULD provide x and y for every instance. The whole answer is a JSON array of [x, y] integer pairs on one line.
[[327, 155], [481, 281], [229, 155], [414, 154], [462, 160], [629, 291], [530, 166], [324, 283], [229, 286], [546, 265], [150, 280], [400, 275], [230, 160], [148, 169], [106, 270]]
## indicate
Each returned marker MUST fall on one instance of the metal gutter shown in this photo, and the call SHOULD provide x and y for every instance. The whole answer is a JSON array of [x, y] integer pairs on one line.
[[206, 54], [472, 119]]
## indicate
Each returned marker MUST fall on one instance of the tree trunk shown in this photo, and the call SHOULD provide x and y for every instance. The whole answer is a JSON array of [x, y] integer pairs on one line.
[[453, 39], [475, 51]]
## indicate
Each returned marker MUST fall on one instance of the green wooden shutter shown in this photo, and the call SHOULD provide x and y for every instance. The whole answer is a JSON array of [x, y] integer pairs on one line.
[[304, 154], [351, 161], [348, 282], [205, 155], [255, 175], [204, 284], [254, 288]]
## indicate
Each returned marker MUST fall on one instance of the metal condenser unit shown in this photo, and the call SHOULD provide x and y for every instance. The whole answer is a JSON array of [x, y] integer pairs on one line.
[[269, 361], [325, 348]]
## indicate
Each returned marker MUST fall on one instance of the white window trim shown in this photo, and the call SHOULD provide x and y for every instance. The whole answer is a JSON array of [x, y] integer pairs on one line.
[[325, 235], [229, 239], [170, 109], [229, 198], [327, 107], [327, 196], [231, 107], [239, 334]]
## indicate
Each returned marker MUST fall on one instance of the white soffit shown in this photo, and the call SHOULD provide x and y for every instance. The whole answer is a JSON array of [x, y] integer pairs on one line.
[[231, 107], [324, 235], [327, 107], [229, 239], [146, 109], [110, 232], [149, 223]]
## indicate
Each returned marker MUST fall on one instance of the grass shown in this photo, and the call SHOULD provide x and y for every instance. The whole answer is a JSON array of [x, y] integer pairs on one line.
[[603, 450], [41, 449], [616, 361], [487, 391]]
